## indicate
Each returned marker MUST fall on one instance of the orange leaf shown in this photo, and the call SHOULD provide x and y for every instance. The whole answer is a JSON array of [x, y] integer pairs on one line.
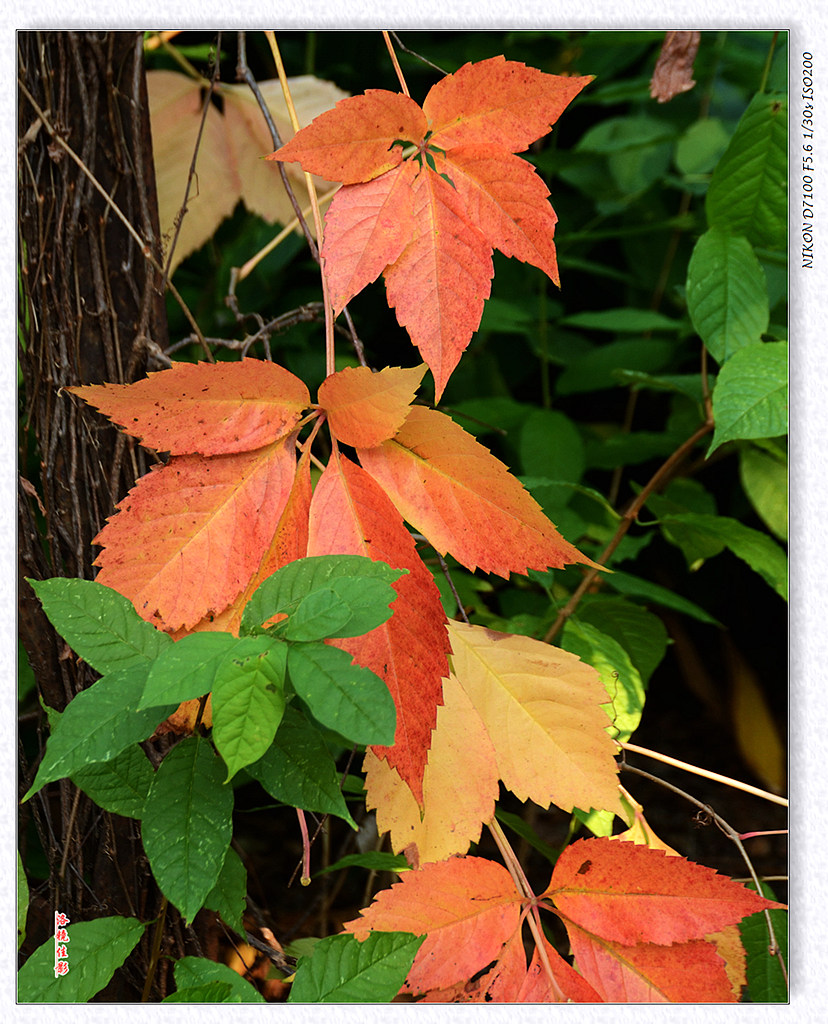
[[355, 141], [367, 226], [501, 984], [686, 972], [541, 708], [498, 102], [464, 500], [459, 786], [189, 535], [506, 198], [350, 514], [468, 908], [209, 408], [366, 408], [567, 986], [631, 894], [440, 282]]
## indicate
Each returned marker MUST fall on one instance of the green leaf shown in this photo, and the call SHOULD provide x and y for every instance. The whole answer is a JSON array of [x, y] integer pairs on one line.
[[119, 786], [750, 399], [764, 476], [727, 295], [22, 901], [625, 583], [343, 970], [211, 992], [99, 624], [766, 981], [698, 150], [630, 449], [227, 897], [641, 634], [195, 971], [761, 553], [98, 724], [188, 668], [345, 697], [286, 589], [551, 446], [248, 704], [748, 192], [187, 824], [599, 367], [696, 546], [96, 949], [620, 678], [371, 860], [622, 321], [298, 769]]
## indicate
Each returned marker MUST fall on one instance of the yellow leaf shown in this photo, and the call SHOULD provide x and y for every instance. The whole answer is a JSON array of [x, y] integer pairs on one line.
[[459, 786], [753, 724], [230, 165], [541, 709]]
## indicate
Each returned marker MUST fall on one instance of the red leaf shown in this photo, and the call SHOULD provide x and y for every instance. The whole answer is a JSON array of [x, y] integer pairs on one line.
[[455, 492], [506, 198], [367, 226], [498, 102], [567, 986], [440, 282], [365, 408], [209, 408], [350, 514], [355, 141], [189, 535], [630, 894], [686, 972], [467, 906]]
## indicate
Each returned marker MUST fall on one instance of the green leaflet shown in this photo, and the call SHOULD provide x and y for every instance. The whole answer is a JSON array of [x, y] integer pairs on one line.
[[750, 399], [210, 992], [598, 367], [99, 624], [766, 982], [248, 704], [343, 970], [98, 724], [748, 192], [372, 860], [119, 786], [227, 897], [727, 295], [551, 446], [299, 771], [367, 594], [641, 634], [195, 971], [625, 583], [96, 949], [764, 476], [620, 678], [187, 826], [345, 697], [188, 668], [761, 553], [622, 321]]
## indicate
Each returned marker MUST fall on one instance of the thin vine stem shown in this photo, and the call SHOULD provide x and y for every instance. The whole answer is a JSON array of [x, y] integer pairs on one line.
[[523, 886], [396, 63], [704, 773], [330, 365]]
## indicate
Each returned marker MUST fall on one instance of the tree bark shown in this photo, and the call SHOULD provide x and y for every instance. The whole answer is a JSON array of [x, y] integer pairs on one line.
[[91, 307]]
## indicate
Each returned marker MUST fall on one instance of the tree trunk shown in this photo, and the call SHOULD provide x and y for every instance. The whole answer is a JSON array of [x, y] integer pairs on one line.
[[91, 307]]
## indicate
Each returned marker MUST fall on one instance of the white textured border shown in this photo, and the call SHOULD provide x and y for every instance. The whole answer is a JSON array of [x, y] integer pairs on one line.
[[809, 457]]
